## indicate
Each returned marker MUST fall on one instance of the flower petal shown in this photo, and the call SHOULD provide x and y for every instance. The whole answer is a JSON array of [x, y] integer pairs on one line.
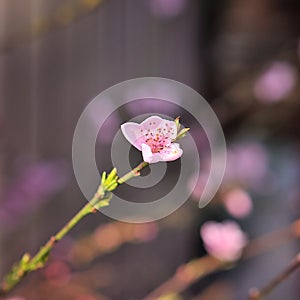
[[172, 152], [148, 156], [157, 125], [223, 240], [133, 134], [169, 153]]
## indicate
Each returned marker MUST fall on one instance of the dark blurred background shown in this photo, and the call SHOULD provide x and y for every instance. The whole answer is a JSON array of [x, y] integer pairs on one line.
[[56, 56]]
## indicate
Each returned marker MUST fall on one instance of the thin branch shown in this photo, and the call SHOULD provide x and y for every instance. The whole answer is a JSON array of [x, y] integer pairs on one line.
[[185, 276], [256, 294], [101, 199], [197, 269]]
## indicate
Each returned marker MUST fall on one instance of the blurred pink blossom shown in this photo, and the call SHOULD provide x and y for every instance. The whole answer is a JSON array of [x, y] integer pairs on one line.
[[34, 183], [275, 83], [238, 203], [247, 163], [58, 272], [224, 241], [167, 8], [146, 232]]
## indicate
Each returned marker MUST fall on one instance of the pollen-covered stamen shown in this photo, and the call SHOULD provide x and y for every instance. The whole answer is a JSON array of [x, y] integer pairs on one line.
[[157, 142]]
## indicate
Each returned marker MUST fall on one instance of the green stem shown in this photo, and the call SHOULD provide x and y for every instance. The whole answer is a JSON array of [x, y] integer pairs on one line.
[[133, 173], [28, 264]]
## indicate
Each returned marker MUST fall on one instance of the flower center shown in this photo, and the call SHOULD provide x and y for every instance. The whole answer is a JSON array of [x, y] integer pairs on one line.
[[157, 143]]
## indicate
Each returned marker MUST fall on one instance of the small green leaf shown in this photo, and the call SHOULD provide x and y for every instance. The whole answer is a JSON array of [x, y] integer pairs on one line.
[[177, 123], [103, 177], [25, 259], [112, 186], [182, 133], [112, 175], [103, 203]]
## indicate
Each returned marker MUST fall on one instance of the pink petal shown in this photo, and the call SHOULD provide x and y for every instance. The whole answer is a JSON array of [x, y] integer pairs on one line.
[[133, 134], [155, 123], [148, 156], [170, 153], [223, 240], [238, 203]]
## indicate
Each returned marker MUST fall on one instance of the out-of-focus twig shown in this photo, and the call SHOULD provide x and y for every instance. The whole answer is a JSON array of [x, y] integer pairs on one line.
[[256, 294], [29, 264], [272, 240], [196, 269], [63, 16], [107, 238], [185, 276]]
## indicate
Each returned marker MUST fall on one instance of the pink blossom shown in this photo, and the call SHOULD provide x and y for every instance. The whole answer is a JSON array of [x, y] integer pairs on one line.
[[238, 203], [35, 183], [58, 272], [154, 137], [247, 163], [146, 231], [275, 83], [224, 241], [167, 8]]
